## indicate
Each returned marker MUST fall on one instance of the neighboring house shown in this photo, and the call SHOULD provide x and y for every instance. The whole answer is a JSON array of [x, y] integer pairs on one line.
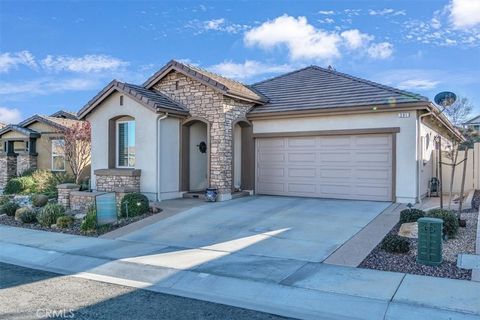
[[473, 124], [35, 143], [2, 125], [313, 132]]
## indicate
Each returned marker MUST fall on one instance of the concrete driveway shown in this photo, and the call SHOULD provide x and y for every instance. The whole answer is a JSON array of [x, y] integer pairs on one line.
[[256, 230]]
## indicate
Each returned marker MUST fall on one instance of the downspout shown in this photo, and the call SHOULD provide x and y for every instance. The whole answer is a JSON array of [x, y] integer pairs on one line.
[[420, 151], [157, 154]]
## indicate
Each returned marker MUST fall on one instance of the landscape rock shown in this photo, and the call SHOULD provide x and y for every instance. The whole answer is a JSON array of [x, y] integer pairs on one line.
[[409, 230]]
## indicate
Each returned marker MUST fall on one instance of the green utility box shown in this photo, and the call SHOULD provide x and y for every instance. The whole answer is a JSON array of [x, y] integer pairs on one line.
[[429, 241]]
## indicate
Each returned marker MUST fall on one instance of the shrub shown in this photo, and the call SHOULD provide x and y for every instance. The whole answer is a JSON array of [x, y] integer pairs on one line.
[[25, 215], [3, 200], [65, 222], [9, 208], [411, 215], [450, 221], [396, 244], [39, 200], [135, 203], [50, 213], [89, 223], [20, 185]]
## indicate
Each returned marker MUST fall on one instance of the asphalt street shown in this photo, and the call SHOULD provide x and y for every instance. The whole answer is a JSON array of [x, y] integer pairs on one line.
[[33, 294]]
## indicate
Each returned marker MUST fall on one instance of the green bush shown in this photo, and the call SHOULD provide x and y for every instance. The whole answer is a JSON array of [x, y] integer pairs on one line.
[[20, 185], [26, 215], [395, 244], [89, 223], [3, 200], [450, 220], [411, 215], [135, 203], [50, 213], [9, 208], [65, 222], [39, 200]]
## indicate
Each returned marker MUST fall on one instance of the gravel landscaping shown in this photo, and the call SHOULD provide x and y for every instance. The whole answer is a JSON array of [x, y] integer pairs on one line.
[[464, 242], [75, 228]]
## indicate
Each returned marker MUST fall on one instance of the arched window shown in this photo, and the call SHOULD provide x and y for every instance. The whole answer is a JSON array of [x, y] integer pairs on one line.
[[125, 144]]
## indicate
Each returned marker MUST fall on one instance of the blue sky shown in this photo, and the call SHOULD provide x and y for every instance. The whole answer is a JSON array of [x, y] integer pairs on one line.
[[58, 55]]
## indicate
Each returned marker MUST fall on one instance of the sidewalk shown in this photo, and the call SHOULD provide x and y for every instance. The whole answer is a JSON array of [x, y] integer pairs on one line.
[[313, 291]]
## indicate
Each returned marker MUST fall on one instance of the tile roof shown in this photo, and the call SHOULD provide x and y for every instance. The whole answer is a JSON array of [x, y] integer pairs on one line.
[[156, 101], [59, 123], [65, 114], [473, 120], [318, 88], [224, 85]]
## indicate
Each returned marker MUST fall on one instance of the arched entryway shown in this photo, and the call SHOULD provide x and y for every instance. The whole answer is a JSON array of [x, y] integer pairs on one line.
[[195, 154]]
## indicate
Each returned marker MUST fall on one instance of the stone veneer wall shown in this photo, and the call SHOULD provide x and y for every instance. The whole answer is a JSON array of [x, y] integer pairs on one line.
[[81, 200], [8, 168], [25, 162], [221, 111], [112, 180], [64, 191]]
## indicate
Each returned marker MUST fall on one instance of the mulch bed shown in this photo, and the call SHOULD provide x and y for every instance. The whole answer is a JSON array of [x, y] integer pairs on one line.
[[464, 242], [75, 229]]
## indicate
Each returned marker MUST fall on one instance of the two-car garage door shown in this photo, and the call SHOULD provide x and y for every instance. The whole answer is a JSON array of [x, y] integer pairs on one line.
[[341, 166]]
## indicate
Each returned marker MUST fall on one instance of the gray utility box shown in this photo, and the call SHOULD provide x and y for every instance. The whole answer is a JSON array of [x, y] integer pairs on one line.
[[429, 241]]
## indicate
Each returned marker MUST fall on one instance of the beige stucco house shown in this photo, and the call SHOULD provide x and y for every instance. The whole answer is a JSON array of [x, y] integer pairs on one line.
[[35, 143], [313, 132]]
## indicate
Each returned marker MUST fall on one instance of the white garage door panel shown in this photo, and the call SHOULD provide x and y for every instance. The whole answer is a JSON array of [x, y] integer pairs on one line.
[[345, 167]]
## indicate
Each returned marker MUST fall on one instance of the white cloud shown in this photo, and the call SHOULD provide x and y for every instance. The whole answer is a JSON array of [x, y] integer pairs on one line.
[[47, 86], [381, 50], [302, 39], [220, 25], [418, 84], [248, 69], [11, 60], [10, 115], [387, 11], [87, 63], [326, 12], [214, 24], [355, 39], [326, 20], [464, 13]]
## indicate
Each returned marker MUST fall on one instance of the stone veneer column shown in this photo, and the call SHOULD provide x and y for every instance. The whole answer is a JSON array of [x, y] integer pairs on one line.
[[64, 191], [220, 111], [8, 168], [26, 161]]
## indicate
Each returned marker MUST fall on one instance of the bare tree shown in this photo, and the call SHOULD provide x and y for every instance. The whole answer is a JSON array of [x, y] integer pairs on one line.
[[459, 112], [77, 147]]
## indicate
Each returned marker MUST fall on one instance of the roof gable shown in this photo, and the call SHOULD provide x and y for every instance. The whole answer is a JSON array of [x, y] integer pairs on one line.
[[474, 120], [217, 82], [65, 114], [24, 131], [153, 100], [318, 88]]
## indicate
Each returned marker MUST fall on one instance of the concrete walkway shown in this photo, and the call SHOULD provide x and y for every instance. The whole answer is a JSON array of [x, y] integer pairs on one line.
[[310, 291]]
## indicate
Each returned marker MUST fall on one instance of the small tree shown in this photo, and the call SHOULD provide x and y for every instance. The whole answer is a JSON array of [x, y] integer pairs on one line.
[[77, 147], [459, 112]]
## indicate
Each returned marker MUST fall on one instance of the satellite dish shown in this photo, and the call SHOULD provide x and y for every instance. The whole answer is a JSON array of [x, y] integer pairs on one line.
[[445, 99]]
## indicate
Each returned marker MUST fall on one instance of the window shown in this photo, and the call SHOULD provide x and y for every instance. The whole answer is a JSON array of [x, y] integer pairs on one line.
[[121, 100], [126, 144], [58, 155]]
